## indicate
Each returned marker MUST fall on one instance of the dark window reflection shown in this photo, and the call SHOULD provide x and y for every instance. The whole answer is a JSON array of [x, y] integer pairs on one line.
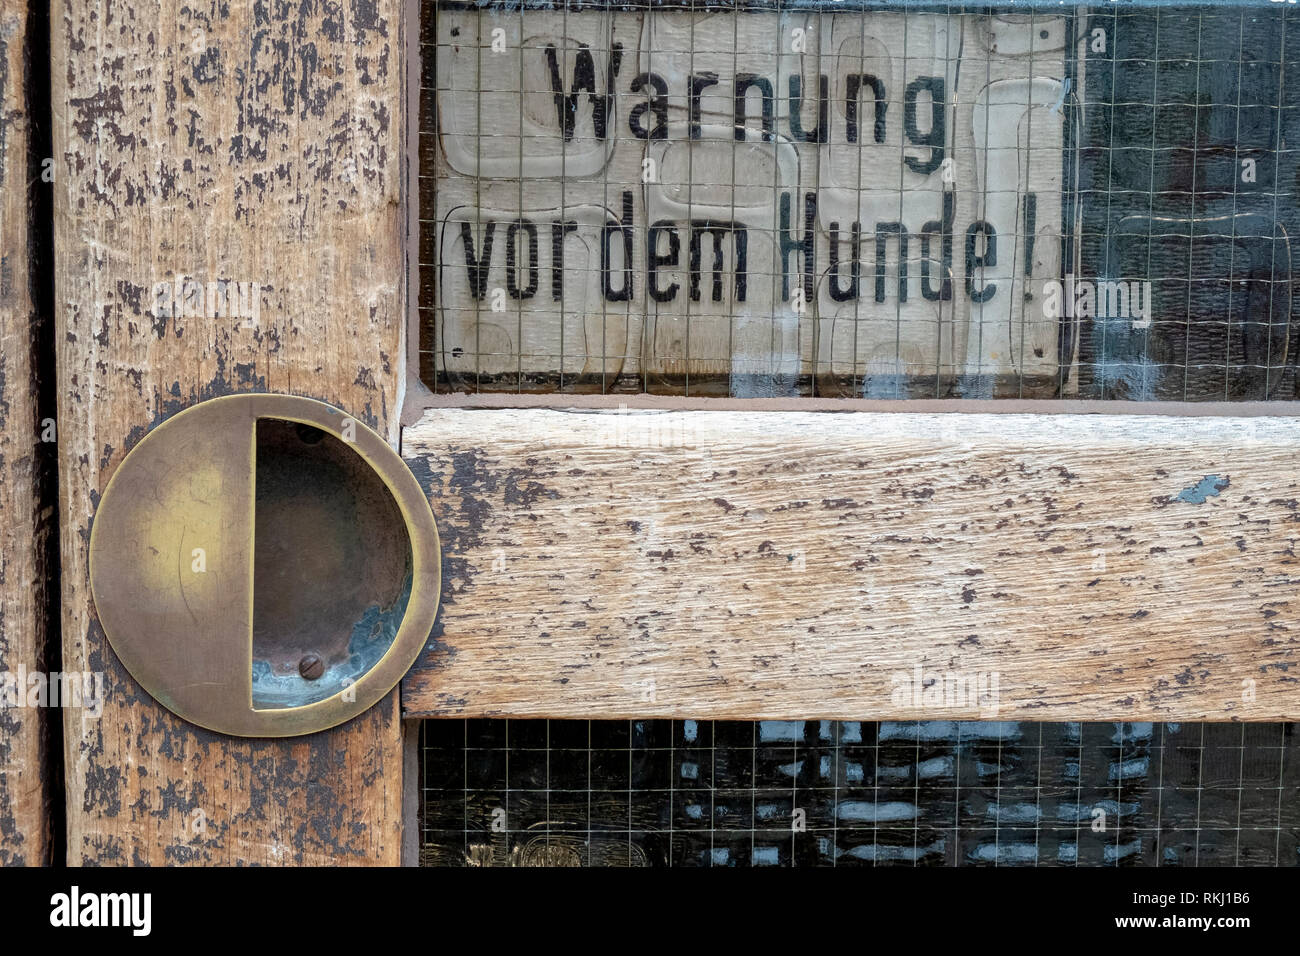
[[828, 793]]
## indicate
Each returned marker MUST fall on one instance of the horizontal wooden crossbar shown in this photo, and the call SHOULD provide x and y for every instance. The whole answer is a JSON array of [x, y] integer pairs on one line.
[[758, 564]]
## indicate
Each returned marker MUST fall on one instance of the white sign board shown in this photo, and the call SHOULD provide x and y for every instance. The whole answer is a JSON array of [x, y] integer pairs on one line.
[[740, 202]]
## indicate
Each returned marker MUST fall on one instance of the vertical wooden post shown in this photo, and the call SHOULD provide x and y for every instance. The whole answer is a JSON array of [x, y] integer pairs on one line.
[[249, 157], [27, 768]]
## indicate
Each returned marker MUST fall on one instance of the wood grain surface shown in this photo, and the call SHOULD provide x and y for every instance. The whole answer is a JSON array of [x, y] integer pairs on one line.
[[243, 144], [27, 766], [723, 564]]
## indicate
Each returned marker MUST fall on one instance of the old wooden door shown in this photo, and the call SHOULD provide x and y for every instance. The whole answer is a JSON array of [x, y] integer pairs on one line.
[[711, 230]]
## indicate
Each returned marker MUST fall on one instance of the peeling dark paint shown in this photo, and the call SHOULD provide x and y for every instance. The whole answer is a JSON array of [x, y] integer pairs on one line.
[[1208, 487]]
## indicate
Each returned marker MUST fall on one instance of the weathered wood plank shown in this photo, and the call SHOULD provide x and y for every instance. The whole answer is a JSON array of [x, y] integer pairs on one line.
[[723, 564], [246, 144], [27, 779]]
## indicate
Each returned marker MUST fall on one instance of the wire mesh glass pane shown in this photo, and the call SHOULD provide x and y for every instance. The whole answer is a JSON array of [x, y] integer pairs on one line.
[[859, 200], [844, 793]]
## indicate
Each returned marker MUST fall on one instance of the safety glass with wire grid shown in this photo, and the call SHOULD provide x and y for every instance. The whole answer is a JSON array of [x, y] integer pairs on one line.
[[858, 200]]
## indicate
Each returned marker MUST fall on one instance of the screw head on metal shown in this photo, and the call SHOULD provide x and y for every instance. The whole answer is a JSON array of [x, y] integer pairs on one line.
[[311, 667]]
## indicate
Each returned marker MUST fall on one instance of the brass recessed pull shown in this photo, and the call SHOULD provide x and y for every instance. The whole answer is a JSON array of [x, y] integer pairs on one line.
[[265, 565]]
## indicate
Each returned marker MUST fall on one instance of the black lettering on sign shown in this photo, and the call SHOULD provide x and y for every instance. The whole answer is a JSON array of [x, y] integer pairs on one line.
[[607, 234], [935, 137], [698, 82], [1031, 225], [822, 132], [512, 277], [477, 268], [718, 230], [973, 262], [753, 95], [855, 83], [745, 82], [855, 269], [657, 104], [558, 231], [883, 231], [789, 244], [584, 78], [668, 260], [943, 229]]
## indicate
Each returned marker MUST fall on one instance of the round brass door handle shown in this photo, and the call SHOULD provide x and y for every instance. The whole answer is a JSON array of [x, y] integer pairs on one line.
[[265, 565]]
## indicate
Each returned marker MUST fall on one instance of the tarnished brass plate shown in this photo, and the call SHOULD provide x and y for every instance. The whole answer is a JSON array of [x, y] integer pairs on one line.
[[265, 565]]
